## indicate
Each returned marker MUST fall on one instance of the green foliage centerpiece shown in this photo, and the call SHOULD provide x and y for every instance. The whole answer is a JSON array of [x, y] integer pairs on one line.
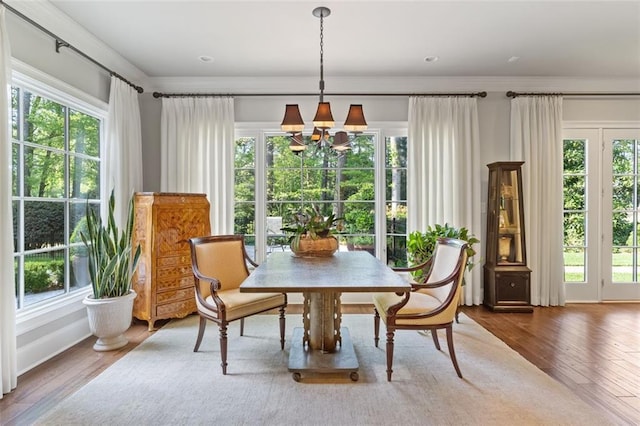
[[111, 266], [420, 245], [313, 234]]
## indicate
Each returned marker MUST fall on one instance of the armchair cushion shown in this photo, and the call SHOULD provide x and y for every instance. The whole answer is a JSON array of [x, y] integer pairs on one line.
[[419, 304], [240, 305]]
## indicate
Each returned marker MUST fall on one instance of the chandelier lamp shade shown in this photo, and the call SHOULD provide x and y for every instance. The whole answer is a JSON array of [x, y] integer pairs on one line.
[[323, 121]]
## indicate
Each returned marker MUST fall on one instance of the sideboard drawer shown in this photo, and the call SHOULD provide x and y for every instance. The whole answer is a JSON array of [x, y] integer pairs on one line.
[[172, 296]]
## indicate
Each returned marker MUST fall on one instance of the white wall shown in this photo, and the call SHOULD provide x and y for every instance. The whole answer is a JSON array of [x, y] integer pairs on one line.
[[601, 109]]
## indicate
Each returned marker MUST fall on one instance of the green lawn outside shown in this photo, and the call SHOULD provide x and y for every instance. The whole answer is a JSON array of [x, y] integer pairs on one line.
[[619, 259], [618, 277], [577, 259]]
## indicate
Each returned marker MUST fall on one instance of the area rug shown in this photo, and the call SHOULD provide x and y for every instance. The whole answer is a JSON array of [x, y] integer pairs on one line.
[[163, 382]]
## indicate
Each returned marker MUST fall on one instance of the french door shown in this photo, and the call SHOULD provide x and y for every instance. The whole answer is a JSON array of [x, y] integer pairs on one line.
[[602, 213]]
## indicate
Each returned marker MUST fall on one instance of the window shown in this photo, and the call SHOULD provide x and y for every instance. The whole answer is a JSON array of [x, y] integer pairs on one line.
[[56, 172], [344, 185]]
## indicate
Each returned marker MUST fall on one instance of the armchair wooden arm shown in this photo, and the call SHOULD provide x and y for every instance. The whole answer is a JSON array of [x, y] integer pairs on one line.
[[424, 266]]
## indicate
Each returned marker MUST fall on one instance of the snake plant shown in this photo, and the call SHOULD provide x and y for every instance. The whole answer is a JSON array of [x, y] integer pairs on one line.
[[111, 263]]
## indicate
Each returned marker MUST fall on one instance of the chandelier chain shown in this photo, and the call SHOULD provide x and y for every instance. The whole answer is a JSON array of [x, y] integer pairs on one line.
[[321, 57]]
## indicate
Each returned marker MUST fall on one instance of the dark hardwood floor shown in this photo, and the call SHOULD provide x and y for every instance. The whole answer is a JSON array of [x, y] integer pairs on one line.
[[594, 349]]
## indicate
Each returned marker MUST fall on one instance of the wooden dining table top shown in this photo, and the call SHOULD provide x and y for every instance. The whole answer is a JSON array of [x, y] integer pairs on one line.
[[355, 271]]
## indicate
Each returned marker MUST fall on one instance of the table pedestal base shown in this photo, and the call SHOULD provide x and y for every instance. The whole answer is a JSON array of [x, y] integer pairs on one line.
[[303, 359]]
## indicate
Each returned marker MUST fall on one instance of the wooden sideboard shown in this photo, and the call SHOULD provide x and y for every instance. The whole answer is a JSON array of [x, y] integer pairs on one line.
[[164, 279]]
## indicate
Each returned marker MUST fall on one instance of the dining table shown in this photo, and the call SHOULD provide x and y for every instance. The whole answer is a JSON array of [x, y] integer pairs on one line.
[[322, 344]]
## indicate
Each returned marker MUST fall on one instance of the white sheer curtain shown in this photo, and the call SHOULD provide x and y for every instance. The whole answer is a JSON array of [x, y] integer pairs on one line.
[[536, 139], [123, 160], [198, 153], [444, 172], [8, 361]]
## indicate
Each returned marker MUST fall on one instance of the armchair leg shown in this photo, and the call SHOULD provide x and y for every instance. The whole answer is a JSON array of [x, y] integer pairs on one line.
[[457, 313], [376, 327], [282, 326], [242, 326], [452, 352], [223, 347], [389, 354], [434, 334], [203, 325]]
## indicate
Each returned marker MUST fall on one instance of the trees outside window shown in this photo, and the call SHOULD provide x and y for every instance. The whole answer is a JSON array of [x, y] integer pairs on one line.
[[343, 185], [56, 169]]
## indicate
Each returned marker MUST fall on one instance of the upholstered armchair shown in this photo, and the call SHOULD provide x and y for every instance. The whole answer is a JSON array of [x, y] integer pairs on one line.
[[431, 304], [219, 265]]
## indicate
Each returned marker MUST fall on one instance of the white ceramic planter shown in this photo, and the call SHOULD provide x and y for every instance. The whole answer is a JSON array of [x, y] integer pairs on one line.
[[109, 319]]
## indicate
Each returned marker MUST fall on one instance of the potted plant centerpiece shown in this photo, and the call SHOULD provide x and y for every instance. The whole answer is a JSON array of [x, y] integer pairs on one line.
[[313, 234], [112, 262], [420, 245]]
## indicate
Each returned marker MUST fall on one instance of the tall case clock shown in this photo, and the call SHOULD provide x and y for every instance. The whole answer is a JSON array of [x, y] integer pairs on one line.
[[506, 275]]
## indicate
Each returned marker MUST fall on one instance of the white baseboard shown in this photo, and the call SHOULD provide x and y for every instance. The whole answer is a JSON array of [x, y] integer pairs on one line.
[[47, 346]]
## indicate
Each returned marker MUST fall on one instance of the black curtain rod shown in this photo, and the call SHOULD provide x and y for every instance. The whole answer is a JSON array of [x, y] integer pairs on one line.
[[61, 43], [511, 94], [206, 95]]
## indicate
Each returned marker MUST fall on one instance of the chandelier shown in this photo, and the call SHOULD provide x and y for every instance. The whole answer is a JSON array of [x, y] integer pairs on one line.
[[323, 121]]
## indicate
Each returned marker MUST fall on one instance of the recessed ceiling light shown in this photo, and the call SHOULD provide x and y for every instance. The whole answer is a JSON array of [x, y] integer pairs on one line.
[[431, 58], [513, 59], [205, 59]]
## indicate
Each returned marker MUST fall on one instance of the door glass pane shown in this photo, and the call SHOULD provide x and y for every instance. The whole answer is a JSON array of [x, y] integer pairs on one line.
[[575, 212], [574, 261], [624, 208]]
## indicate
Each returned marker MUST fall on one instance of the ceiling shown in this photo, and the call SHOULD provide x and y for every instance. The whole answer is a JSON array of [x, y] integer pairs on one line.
[[369, 38]]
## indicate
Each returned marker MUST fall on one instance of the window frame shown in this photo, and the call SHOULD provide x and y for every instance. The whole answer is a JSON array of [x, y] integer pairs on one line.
[[28, 78]]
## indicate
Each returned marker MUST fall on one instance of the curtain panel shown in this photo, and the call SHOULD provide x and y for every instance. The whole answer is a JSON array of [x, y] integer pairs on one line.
[[444, 172], [123, 160], [536, 139], [8, 349], [198, 153]]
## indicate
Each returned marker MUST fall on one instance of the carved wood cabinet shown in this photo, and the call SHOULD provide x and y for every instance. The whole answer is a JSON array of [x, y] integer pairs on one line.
[[506, 275], [164, 278]]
